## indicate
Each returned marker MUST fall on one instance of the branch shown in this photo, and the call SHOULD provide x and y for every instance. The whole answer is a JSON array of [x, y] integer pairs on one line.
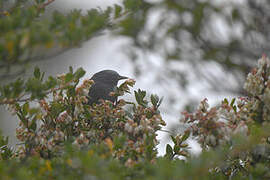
[[45, 4], [19, 99]]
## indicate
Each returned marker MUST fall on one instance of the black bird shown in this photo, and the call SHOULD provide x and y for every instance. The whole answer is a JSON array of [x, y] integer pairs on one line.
[[105, 82]]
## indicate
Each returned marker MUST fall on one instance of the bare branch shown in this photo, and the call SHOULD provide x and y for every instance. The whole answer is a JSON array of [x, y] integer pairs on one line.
[[45, 4]]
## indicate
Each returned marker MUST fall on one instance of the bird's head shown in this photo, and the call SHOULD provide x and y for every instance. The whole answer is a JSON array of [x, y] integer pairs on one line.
[[107, 77]]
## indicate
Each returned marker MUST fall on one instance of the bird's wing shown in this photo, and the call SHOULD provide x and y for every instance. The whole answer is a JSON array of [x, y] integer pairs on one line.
[[100, 91]]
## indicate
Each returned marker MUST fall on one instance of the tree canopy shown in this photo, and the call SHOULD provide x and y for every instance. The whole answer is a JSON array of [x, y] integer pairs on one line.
[[182, 31]]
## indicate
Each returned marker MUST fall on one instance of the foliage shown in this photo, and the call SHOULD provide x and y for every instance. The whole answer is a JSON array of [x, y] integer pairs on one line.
[[55, 112], [242, 125], [28, 34], [63, 137], [5, 151], [182, 30]]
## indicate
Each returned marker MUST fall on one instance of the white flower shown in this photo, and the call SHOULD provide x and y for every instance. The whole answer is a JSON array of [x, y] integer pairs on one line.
[[128, 128]]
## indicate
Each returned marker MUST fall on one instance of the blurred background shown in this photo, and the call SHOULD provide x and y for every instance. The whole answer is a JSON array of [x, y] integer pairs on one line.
[[182, 50]]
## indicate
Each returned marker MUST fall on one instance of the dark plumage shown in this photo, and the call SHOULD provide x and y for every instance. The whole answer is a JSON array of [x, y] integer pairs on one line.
[[104, 82]]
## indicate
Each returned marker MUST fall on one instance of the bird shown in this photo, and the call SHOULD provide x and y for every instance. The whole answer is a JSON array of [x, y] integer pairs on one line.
[[105, 82]]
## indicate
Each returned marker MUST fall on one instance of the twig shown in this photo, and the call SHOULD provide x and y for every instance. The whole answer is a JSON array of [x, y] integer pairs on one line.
[[45, 4], [2, 147], [166, 131], [12, 101]]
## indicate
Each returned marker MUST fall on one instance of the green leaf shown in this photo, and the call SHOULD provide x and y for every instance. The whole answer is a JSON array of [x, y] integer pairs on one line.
[[176, 148], [136, 96], [79, 73], [117, 10], [33, 111], [232, 102], [225, 101], [173, 139], [37, 73], [169, 150], [18, 87], [68, 77], [42, 76], [51, 82], [154, 99], [56, 109], [234, 108], [36, 88], [33, 125], [71, 91], [139, 95], [25, 109], [119, 141], [142, 93], [23, 119], [185, 136], [71, 69]]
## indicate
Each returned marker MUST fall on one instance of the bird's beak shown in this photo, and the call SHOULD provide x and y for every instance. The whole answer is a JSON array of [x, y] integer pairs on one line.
[[122, 77]]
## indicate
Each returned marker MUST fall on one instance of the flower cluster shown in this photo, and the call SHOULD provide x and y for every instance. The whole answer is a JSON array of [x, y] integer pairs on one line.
[[258, 85], [214, 126], [244, 117], [205, 125], [128, 135]]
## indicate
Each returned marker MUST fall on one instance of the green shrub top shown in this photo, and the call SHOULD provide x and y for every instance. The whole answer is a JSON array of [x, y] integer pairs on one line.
[[63, 137]]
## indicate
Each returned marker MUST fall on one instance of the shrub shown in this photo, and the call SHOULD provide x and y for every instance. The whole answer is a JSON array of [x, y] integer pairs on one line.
[[63, 137]]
